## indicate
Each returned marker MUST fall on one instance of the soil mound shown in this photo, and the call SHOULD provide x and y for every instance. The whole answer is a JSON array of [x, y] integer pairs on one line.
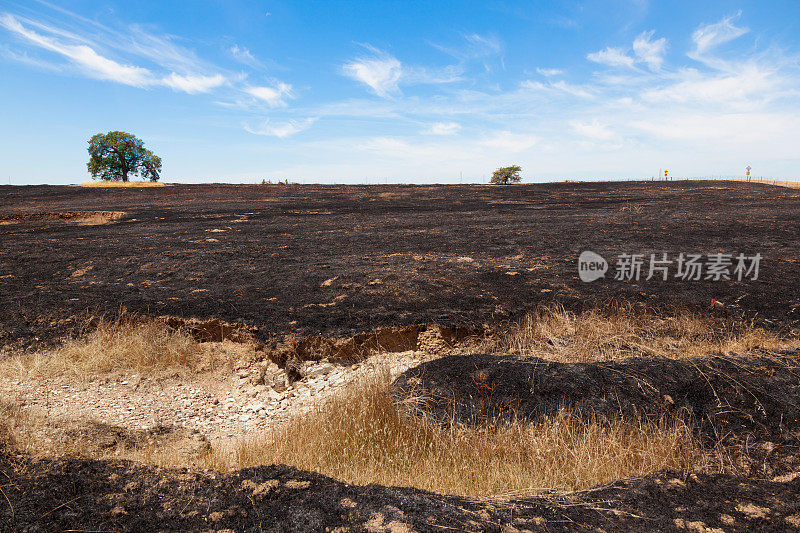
[[725, 395]]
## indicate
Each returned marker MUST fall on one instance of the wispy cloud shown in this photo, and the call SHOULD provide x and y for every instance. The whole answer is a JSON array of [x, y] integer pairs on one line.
[[442, 128], [646, 50], [650, 51], [82, 56], [160, 49], [283, 130], [483, 45], [613, 57], [558, 87], [194, 84], [381, 72], [243, 55], [549, 72], [135, 57], [274, 96], [709, 36], [510, 141], [593, 130], [474, 46], [751, 86]]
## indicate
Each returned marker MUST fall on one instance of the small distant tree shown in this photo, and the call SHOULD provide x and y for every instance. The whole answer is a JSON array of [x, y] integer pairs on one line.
[[506, 175], [116, 155]]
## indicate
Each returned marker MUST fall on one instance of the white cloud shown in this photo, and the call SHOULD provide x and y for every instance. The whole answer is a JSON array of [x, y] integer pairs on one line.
[[484, 45], [273, 96], [593, 130], [752, 85], [710, 36], [418, 75], [747, 130], [443, 128], [82, 56], [160, 49], [477, 47], [558, 87], [509, 141], [381, 73], [193, 84], [650, 51], [614, 57], [549, 72], [281, 131], [573, 90], [242, 54], [645, 49]]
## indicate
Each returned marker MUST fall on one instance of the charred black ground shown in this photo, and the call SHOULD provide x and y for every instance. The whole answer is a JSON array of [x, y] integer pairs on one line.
[[81, 495], [335, 260]]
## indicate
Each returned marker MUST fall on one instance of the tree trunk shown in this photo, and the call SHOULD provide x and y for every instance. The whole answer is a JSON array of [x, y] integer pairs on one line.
[[124, 175]]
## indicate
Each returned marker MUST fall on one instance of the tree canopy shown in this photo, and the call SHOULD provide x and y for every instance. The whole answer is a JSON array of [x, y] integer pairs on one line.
[[115, 155], [505, 175]]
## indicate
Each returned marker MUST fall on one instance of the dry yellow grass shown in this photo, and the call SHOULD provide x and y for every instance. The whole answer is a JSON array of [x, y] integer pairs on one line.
[[367, 436], [779, 183], [122, 344], [121, 184], [555, 334]]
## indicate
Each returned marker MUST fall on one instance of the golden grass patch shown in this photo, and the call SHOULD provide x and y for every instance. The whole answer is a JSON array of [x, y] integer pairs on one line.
[[365, 435], [122, 344], [556, 334], [121, 184]]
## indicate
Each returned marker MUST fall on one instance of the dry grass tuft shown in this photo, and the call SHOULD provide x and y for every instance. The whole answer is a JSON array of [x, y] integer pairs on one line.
[[556, 334], [367, 436], [125, 343], [21, 430], [122, 184]]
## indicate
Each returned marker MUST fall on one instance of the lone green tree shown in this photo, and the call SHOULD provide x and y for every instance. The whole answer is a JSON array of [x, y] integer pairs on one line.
[[116, 155], [506, 175]]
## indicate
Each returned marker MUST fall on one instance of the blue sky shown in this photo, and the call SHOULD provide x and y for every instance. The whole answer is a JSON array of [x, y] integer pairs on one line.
[[380, 91]]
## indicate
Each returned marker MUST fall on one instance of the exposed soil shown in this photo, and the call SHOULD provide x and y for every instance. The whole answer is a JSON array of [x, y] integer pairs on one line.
[[245, 400], [339, 260]]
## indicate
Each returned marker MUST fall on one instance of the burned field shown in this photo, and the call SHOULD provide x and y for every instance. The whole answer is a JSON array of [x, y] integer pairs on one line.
[[471, 293], [337, 260]]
